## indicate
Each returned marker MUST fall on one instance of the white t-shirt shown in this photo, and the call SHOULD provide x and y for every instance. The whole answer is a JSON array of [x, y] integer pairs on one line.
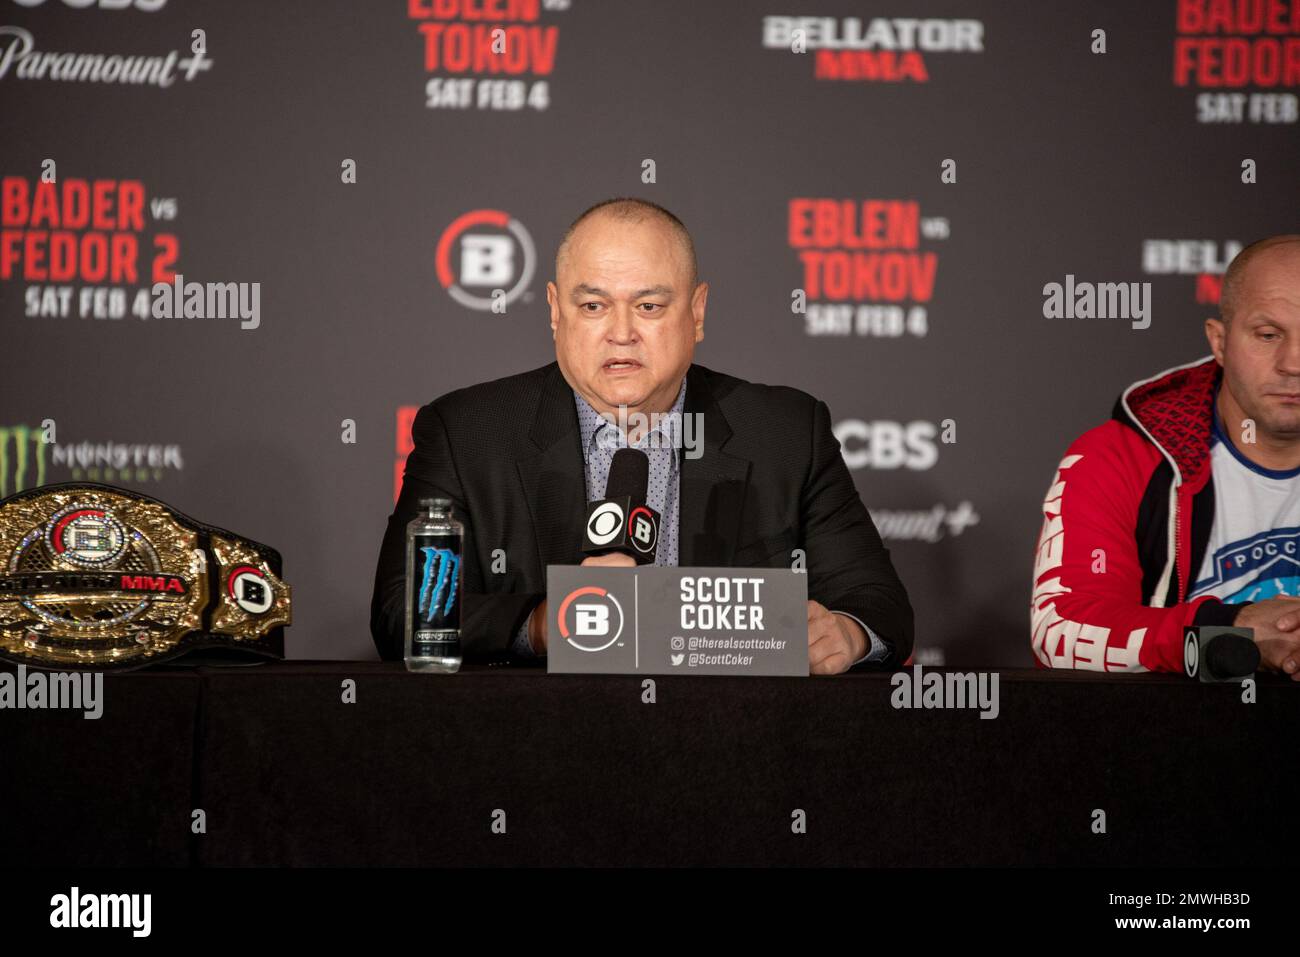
[[1254, 548]]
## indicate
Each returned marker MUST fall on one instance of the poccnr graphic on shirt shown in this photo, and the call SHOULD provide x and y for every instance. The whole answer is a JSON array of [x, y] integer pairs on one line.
[[1255, 569], [1253, 552]]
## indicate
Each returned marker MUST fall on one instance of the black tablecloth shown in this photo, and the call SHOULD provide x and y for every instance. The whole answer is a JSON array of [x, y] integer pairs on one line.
[[582, 770]]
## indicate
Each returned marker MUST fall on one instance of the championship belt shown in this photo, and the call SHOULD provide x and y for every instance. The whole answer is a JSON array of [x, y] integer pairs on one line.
[[98, 578]]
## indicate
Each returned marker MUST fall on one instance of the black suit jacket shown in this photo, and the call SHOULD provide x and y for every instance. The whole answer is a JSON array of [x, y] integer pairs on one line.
[[508, 454]]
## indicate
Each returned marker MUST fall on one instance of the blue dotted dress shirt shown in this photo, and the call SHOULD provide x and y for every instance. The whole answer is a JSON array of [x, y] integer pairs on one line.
[[601, 439]]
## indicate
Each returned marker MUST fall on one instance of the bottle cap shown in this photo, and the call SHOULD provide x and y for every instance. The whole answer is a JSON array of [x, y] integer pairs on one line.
[[435, 503]]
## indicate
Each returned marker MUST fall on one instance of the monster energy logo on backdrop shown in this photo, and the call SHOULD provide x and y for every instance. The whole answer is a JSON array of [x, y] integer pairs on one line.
[[440, 567], [22, 458], [27, 452]]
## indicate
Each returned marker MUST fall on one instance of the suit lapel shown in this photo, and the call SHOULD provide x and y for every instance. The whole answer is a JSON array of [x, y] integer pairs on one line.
[[713, 486], [554, 479], [712, 493]]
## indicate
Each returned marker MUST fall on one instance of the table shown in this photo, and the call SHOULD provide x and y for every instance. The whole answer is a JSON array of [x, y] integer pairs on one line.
[[581, 770]]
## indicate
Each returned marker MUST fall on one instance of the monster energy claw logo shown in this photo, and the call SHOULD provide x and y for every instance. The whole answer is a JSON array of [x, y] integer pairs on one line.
[[440, 568], [23, 457]]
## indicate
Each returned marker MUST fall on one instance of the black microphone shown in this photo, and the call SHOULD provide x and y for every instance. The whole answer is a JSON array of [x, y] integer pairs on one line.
[[622, 521], [1217, 653]]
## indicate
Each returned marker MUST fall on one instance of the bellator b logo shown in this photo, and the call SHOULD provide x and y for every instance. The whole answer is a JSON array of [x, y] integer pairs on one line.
[[485, 260]]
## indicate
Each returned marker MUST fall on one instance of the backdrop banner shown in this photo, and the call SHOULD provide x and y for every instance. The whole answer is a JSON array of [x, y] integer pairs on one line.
[[241, 243]]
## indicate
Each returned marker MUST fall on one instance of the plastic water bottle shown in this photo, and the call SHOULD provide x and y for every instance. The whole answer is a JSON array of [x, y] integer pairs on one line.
[[434, 541]]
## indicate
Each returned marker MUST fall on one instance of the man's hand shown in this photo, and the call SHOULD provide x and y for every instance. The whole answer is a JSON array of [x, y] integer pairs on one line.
[[834, 641], [1276, 623], [537, 629], [617, 559], [537, 620]]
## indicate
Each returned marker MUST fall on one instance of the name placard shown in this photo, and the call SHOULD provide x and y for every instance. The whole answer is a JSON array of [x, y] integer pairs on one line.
[[661, 620]]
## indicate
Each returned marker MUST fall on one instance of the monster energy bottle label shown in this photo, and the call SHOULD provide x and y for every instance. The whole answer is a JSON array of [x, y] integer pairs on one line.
[[434, 580], [437, 606]]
